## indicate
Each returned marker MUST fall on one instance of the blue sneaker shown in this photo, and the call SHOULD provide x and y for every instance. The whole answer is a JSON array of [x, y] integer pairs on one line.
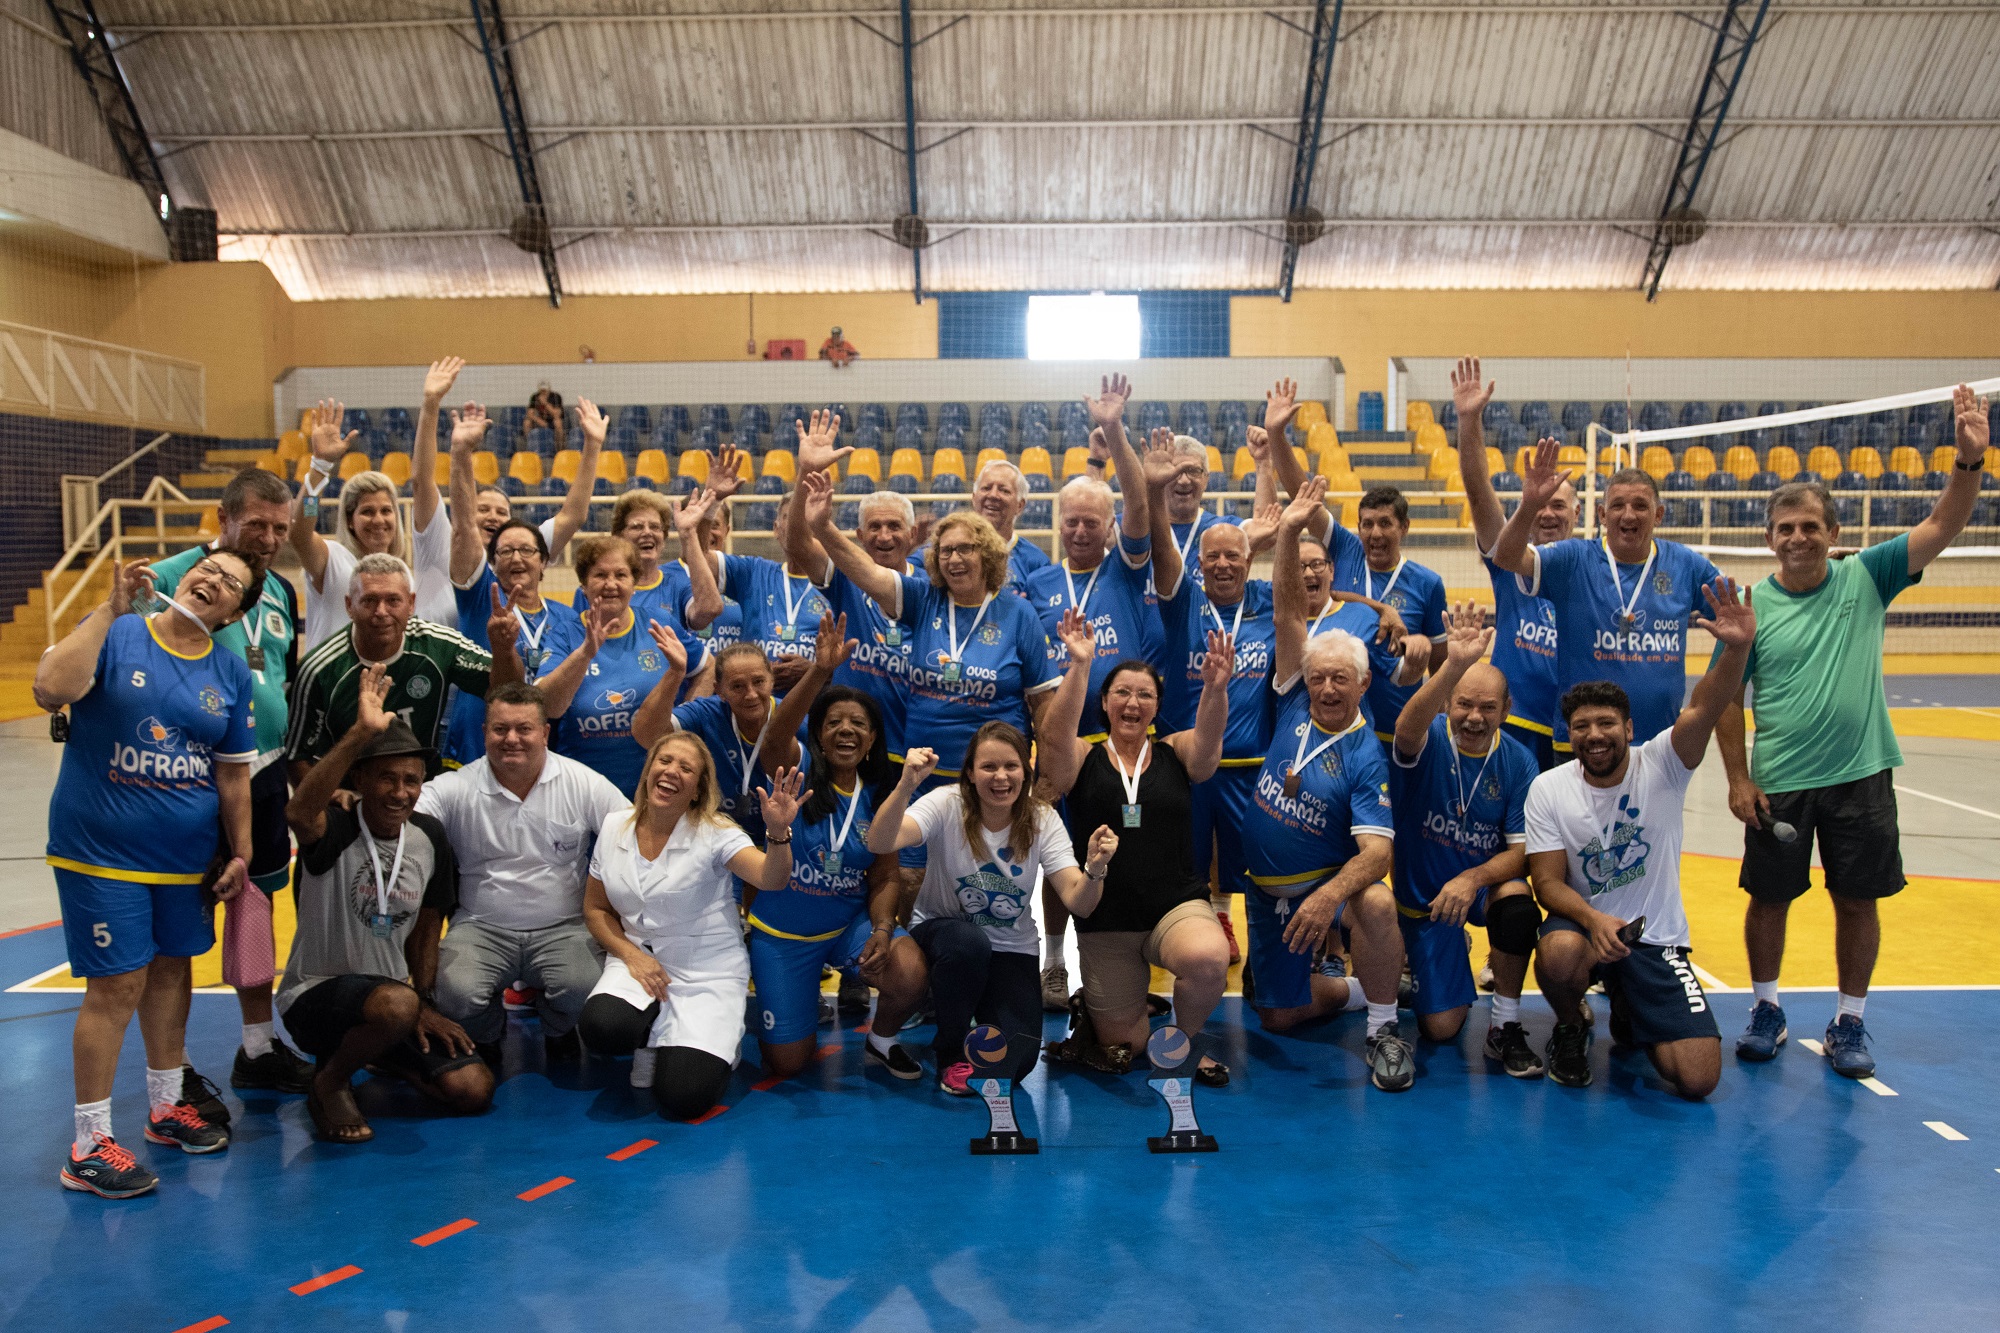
[[1847, 1047], [1333, 965], [1766, 1033]]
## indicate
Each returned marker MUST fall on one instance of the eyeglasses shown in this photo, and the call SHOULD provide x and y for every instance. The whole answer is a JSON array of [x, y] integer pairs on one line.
[[521, 551], [229, 580], [957, 551], [1315, 564]]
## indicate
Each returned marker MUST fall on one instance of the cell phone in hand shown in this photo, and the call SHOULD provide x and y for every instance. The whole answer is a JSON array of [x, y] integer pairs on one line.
[[1629, 933]]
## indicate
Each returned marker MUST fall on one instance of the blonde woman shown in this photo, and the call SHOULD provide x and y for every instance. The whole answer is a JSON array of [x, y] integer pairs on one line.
[[660, 900]]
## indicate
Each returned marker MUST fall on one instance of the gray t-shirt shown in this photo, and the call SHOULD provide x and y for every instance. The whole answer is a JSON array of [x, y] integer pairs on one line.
[[337, 896], [991, 890]]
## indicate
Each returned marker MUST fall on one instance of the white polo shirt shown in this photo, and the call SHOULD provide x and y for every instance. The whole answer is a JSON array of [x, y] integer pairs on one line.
[[521, 864]]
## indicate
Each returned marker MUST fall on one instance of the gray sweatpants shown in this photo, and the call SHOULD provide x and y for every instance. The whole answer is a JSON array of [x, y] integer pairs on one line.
[[477, 961]]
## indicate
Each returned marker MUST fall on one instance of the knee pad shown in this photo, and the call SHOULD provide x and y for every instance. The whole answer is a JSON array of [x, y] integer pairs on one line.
[[1513, 923]]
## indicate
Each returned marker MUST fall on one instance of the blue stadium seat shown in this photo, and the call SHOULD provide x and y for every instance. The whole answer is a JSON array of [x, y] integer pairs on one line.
[[1192, 419], [682, 485], [1763, 482], [1887, 510], [951, 435], [1678, 483], [1234, 412], [1153, 414], [716, 416], [682, 418], [1035, 435], [875, 412], [913, 414], [1875, 434], [1655, 416], [1229, 437], [1800, 437], [1933, 481], [1838, 435], [856, 484], [1535, 415], [1495, 413], [1615, 417], [1696, 414], [909, 435], [356, 418], [998, 415], [1849, 506], [1504, 481], [1918, 435], [1076, 435], [994, 435], [625, 439], [1576, 417], [954, 414], [905, 484], [1071, 411], [1446, 414], [1032, 412], [396, 420], [638, 416], [753, 417], [1731, 411], [1770, 408], [1930, 412], [1218, 481], [511, 419], [870, 436], [946, 485], [1722, 513]]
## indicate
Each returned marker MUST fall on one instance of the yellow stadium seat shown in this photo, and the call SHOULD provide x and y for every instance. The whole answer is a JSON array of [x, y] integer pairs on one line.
[[565, 467], [1522, 457], [270, 462], [1656, 461], [1321, 438], [1076, 462], [988, 456], [292, 445], [1865, 460], [906, 463], [951, 463], [652, 467], [1943, 457], [1311, 413], [441, 473], [780, 463], [1740, 462], [485, 467], [211, 523], [693, 463], [612, 468], [1444, 463], [396, 467], [1214, 459], [1035, 462], [1907, 461], [1783, 460], [1417, 415], [1454, 483], [1431, 438], [1496, 461], [1824, 461], [305, 420], [1698, 462], [1570, 455], [353, 463], [746, 468], [1243, 465], [1333, 463], [525, 466], [867, 463]]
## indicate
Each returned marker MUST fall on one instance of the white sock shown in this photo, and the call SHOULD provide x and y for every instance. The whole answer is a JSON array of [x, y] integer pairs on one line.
[[1052, 951], [1851, 1004], [1355, 999], [1380, 1016], [92, 1119], [1220, 902], [1506, 1009], [257, 1039], [880, 1045], [163, 1087], [1764, 992]]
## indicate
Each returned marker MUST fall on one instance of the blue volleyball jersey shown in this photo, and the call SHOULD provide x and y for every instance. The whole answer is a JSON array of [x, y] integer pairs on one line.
[[709, 719], [1187, 539], [879, 666], [1347, 555], [780, 610], [1187, 618], [136, 799], [1452, 816], [1524, 650], [1360, 620], [1291, 843], [1645, 656], [663, 600], [546, 638], [1002, 661], [1124, 616], [817, 902], [1417, 593], [597, 729]]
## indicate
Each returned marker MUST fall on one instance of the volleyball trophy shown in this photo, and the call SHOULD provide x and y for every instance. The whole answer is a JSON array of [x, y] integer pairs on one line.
[[1170, 1051], [986, 1047]]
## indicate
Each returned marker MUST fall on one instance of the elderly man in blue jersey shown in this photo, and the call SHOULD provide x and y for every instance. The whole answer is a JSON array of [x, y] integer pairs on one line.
[[1525, 646], [1459, 787], [1623, 603]]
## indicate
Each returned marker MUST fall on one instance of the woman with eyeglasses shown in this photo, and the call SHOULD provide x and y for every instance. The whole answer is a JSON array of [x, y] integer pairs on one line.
[[155, 775], [549, 631]]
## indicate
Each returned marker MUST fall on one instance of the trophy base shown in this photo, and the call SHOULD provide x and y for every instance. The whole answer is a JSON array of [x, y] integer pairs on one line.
[[1196, 1142], [1005, 1145]]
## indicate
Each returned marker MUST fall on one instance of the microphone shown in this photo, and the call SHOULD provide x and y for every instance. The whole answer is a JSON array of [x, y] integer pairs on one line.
[[1779, 829]]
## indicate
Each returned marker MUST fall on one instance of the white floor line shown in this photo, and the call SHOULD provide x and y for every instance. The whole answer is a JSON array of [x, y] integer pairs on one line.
[[1980, 712], [29, 984], [1708, 978], [1813, 1046], [1878, 1087], [1956, 805], [1944, 1131]]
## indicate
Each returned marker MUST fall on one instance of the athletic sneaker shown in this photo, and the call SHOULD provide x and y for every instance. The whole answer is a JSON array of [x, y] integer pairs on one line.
[[829, 1010], [1484, 981], [1568, 1055], [204, 1097], [1055, 989], [898, 1063], [1766, 1033], [182, 1127], [109, 1171], [853, 997], [1391, 1067], [1406, 991], [1333, 965], [520, 1001], [1847, 1047], [1508, 1043], [1229, 933], [280, 1069], [956, 1080], [923, 1017]]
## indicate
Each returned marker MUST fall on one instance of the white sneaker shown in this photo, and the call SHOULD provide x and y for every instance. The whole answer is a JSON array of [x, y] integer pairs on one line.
[[643, 1061], [1055, 989]]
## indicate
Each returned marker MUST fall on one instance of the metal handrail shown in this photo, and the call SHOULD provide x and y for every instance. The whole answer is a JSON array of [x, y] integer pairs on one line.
[[161, 497]]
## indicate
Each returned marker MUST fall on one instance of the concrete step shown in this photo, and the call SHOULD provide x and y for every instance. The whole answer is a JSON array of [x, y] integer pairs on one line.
[[1401, 476], [213, 481], [1385, 458]]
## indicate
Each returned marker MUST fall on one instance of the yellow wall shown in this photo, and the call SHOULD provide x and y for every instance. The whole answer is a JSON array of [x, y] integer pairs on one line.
[[1365, 328]]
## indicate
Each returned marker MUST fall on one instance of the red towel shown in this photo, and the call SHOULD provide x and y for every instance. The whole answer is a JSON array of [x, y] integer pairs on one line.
[[249, 953]]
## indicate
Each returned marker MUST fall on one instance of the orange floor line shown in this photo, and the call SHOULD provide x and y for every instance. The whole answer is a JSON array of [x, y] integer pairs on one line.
[[312, 1285], [631, 1150], [546, 1187], [207, 1325], [445, 1232]]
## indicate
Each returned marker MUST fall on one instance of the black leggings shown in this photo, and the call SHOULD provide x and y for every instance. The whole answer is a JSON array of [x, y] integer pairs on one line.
[[686, 1081], [971, 981]]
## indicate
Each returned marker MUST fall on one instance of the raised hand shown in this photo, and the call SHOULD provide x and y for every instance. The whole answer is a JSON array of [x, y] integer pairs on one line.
[[918, 765], [595, 425], [1732, 622], [597, 626], [816, 494], [831, 646], [669, 644], [369, 711], [818, 440], [1259, 443], [921, 533], [1218, 666], [1466, 394], [502, 626], [1543, 478], [1262, 525], [327, 443], [1108, 408], [781, 800], [1281, 404], [689, 515], [1310, 500], [1468, 637], [1160, 463], [1974, 431], [1103, 846], [440, 377], [1100, 448], [725, 471], [469, 425], [131, 585], [1077, 636]]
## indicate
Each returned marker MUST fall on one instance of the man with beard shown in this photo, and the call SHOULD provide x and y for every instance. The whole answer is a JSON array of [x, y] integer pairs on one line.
[[1604, 855]]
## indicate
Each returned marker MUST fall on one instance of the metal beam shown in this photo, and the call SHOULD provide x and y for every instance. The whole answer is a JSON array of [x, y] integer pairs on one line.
[[909, 45], [500, 66], [1312, 120], [90, 49], [1733, 39]]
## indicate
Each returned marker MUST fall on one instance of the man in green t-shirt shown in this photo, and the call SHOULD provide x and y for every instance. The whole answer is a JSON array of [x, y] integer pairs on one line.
[[1825, 748], [256, 512], [424, 662]]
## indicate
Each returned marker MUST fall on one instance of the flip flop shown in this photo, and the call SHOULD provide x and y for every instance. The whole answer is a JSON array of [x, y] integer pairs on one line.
[[328, 1130], [1213, 1075]]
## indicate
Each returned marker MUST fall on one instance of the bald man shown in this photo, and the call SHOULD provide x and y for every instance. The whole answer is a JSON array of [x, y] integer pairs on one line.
[[1459, 789]]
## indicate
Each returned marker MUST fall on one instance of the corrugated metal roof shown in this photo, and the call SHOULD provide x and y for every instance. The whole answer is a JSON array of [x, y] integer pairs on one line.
[[41, 97], [1513, 140]]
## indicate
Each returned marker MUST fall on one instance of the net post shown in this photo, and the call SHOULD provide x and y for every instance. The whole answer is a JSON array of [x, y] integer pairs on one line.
[[1590, 479]]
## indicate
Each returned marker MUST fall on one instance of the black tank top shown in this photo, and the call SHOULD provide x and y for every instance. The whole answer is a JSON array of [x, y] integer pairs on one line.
[[1153, 872]]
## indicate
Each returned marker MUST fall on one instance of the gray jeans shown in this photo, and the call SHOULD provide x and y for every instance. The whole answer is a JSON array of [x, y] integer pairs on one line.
[[477, 961]]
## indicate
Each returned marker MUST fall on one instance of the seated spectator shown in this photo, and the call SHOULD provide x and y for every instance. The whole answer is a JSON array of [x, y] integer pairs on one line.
[[545, 410], [838, 350]]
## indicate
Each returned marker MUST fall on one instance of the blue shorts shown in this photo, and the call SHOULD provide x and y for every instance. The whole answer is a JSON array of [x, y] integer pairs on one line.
[[787, 974], [1284, 978], [1439, 965], [1221, 806], [114, 926]]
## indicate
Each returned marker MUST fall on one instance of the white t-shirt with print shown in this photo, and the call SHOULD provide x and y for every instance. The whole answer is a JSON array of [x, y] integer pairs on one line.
[[430, 561], [994, 891], [1624, 842]]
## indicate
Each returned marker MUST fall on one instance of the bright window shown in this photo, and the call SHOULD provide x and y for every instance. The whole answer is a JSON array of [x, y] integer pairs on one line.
[[1083, 328]]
